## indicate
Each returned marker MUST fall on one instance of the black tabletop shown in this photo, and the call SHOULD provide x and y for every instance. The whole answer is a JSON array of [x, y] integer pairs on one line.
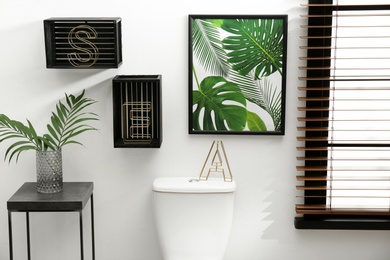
[[74, 197]]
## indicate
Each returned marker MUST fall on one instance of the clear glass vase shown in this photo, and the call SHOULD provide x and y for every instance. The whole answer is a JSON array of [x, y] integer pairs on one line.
[[49, 171]]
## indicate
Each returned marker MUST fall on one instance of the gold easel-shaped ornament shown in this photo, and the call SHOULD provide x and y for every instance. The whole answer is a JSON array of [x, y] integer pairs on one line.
[[215, 161]]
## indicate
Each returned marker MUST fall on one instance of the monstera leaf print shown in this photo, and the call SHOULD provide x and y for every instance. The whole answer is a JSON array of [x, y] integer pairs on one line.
[[254, 44], [255, 123], [221, 104], [237, 73]]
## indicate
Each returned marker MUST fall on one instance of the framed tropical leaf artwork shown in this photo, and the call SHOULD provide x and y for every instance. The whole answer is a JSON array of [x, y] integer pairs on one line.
[[237, 74]]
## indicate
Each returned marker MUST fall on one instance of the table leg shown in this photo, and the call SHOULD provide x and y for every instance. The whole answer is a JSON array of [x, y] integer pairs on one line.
[[81, 235], [28, 236], [92, 228], [11, 257]]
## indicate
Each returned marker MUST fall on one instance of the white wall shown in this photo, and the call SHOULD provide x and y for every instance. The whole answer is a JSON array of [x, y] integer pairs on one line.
[[154, 42]]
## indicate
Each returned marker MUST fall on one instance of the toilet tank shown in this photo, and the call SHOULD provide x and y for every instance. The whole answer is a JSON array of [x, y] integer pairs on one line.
[[193, 217]]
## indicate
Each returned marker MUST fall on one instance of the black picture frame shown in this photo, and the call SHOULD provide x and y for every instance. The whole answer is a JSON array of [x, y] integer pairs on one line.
[[237, 74]]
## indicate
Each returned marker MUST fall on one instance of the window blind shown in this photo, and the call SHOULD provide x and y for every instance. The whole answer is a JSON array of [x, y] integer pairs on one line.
[[344, 135]]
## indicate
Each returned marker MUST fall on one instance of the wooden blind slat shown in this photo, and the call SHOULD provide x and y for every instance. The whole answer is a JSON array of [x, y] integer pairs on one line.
[[312, 119], [325, 178], [346, 5], [328, 188], [324, 210], [343, 15], [341, 99], [343, 88]]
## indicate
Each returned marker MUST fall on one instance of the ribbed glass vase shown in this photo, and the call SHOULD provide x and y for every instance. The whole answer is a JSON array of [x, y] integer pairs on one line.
[[49, 171]]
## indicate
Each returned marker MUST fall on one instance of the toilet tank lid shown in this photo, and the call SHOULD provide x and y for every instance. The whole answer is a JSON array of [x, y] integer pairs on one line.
[[185, 185]]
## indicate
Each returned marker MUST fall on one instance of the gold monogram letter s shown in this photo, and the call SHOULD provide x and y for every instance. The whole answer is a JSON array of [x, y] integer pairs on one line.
[[91, 54]]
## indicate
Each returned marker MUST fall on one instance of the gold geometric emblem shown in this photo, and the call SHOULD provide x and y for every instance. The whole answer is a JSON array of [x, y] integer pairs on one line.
[[215, 161], [87, 52]]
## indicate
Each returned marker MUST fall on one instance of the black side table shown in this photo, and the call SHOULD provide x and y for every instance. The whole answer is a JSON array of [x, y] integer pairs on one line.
[[74, 197]]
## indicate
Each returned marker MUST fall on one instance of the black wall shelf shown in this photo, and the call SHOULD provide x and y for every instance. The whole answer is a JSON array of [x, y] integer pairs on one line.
[[83, 43], [137, 111]]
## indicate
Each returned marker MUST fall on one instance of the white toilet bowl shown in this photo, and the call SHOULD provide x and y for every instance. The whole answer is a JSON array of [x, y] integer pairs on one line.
[[193, 217]]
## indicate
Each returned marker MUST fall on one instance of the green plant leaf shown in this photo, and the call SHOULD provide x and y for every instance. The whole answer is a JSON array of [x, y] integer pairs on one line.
[[79, 97], [46, 144], [60, 112], [56, 123], [9, 136], [68, 118], [76, 125], [207, 47], [255, 44], [35, 137], [73, 142], [221, 104], [74, 132], [270, 98], [67, 122], [262, 93], [19, 150], [49, 142], [52, 132], [26, 137], [255, 123], [21, 128], [17, 146], [68, 102]]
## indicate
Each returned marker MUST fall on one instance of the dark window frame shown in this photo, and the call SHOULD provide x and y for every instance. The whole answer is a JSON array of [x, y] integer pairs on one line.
[[309, 221]]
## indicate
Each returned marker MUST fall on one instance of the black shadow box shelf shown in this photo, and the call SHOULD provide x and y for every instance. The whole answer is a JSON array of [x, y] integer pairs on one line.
[[137, 111], [83, 43]]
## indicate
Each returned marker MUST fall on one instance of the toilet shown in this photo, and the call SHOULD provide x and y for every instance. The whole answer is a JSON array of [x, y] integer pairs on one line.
[[193, 217]]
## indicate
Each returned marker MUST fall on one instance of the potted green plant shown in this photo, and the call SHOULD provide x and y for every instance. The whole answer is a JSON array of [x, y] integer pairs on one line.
[[69, 120]]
